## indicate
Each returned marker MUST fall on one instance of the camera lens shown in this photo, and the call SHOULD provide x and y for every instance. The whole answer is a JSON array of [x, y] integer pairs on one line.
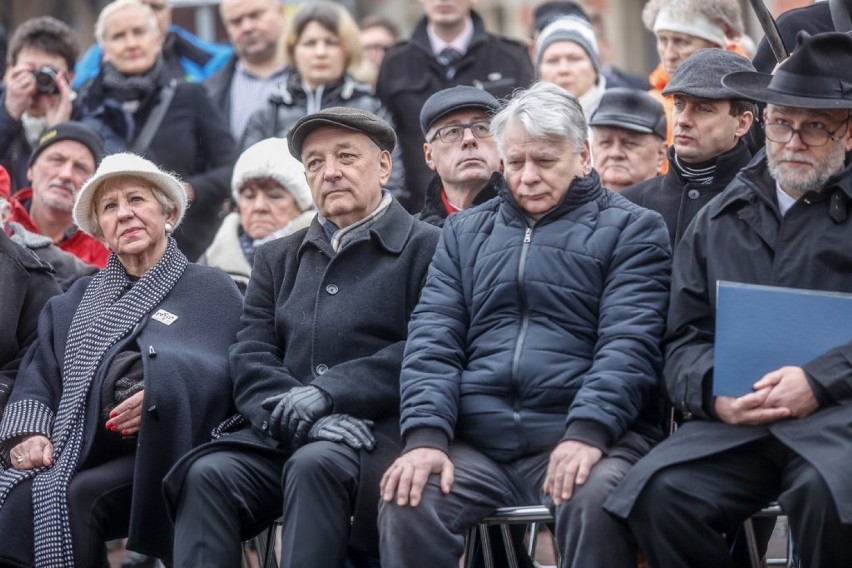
[[45, 80]]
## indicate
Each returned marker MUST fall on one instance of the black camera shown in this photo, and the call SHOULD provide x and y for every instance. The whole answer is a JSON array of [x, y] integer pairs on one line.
[[45, 80]]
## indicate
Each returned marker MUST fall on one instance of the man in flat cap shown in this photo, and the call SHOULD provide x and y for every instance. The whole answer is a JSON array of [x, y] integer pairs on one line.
[[709, 121], [460, 149], [532, 360], [628, 137], [785, 220], [316, 365]]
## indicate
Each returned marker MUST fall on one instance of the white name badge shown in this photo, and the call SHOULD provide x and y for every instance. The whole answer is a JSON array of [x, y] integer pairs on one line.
[[165, 317]]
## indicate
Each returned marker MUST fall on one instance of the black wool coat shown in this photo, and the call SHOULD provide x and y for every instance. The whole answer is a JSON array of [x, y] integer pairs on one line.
[[740, 236], [336, 321]]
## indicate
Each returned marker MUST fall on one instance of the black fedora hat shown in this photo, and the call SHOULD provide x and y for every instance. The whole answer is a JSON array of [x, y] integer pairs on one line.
[[818, 75]]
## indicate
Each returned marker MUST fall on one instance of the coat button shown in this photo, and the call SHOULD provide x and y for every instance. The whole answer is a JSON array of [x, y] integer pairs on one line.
[[332, 289], [265, 426], [693, 194], [321, 369], [152, 410]]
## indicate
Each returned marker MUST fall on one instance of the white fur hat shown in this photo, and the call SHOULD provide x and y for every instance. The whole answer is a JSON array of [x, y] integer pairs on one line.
[[270, 158], [125, 164]]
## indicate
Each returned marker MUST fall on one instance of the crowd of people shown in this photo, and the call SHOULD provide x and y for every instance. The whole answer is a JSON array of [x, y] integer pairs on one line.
[[374, 288]]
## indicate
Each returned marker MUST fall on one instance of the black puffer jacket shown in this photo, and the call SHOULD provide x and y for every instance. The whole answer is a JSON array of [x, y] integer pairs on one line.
[[530, 333], [292, 102]]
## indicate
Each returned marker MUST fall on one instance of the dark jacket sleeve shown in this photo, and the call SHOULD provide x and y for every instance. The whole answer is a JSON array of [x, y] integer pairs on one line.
[[690, 328], [628, 355], [435, 351], [259, 126], [832, 373]]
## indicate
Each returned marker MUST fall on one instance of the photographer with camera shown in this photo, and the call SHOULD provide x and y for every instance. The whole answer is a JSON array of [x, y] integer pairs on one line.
[[36, 92]]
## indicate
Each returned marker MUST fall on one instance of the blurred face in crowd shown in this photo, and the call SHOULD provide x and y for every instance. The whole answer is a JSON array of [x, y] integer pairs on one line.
[[800, 166], [704, 128], [471, 159], [131, 42], [254, 27], [566, 64], [319, 56], [31, 59], [265, 207], [447, 13], [163, 10], [346, 172], [674, 47], [376, 40], [539, 172], [623, 157], [58, 173]]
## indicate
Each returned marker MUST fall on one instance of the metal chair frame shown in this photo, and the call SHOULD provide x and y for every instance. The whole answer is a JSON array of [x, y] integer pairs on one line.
[[773, 510], [533, 516]]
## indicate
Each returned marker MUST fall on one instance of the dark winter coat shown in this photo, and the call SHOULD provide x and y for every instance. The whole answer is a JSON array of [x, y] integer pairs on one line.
[[290, 103], [529, 333], [677, 200], [410, 74], [435, 213], [337, 321], [187, 384], [26, 284], [741, 237], [218, 87], [193, 141]]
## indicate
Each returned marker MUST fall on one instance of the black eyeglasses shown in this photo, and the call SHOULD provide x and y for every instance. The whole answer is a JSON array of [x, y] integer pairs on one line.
[[455, 132], [809, 135]]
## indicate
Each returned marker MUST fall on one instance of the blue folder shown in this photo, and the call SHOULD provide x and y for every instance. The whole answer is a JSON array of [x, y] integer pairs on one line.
[[762, 328]]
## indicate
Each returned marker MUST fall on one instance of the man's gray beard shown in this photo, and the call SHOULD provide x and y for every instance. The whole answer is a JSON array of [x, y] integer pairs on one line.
[[815, 180]]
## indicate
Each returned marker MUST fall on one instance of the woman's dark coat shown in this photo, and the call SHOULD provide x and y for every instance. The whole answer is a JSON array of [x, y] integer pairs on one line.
[[192, 141], [187, 385], [337, 321], [740, 236], [532, 332]]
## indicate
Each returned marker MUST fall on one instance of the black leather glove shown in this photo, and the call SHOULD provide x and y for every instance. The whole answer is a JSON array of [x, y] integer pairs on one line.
[[294, 412], [354, 432]]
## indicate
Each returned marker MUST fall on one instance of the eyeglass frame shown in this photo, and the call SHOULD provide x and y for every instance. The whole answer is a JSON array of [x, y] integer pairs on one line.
[[464, 126], [830, 134]]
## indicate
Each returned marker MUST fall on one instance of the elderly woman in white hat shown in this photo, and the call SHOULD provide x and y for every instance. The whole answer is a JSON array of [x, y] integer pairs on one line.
[[273, 200], [129, 371]]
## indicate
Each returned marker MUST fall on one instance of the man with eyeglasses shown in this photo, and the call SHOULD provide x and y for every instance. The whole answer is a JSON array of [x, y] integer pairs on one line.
[[785, 220], [709, 121], [532, 357], [460, 149]]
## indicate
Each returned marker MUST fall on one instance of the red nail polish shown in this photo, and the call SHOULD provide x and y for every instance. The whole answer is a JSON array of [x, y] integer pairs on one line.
[[113, 414], [125, 432]]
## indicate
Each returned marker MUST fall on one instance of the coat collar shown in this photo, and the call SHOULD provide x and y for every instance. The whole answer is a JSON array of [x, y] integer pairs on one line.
[[433, 211], [581, 191], [420, 38]]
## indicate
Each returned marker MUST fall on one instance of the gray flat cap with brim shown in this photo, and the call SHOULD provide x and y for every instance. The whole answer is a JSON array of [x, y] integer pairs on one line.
[[353, 119], [818, 75], [700, 75], [455, 98], [630, 109]]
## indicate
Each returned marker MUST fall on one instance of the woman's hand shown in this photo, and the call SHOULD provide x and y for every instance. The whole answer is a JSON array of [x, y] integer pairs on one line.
[[33, 451], [127, 416]]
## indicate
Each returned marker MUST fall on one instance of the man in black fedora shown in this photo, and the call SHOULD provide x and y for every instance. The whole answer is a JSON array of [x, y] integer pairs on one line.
[[785, 220]]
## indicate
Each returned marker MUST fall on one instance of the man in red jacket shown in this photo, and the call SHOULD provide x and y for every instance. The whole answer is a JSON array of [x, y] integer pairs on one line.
[[65, 157]]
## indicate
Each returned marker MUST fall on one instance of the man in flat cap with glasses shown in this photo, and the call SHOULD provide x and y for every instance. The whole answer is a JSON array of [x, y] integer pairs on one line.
[[785, 220], [316, 365]]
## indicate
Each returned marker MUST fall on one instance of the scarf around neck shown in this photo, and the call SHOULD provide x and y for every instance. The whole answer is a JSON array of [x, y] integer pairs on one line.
[[133, 89]]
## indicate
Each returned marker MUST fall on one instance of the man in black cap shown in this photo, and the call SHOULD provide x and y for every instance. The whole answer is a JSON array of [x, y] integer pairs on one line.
[[628, 137], [460, 149], [709, 121], [785, 221], [316, 365], [64, 157]]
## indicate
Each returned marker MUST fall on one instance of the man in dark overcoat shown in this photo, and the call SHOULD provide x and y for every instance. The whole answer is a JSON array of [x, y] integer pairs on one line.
[[316, 364], [785, 220]]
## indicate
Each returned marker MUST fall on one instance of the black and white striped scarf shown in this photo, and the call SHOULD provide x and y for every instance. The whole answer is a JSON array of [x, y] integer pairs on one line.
[[105, 315]]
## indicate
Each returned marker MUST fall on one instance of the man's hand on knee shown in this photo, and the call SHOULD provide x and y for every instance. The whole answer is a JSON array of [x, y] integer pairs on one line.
[[407, 476], [570, 464], [294, 412]]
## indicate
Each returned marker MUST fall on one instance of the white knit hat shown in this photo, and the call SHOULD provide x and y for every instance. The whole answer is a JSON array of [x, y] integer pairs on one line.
[[697, 25], [126, 164], [270, 158]]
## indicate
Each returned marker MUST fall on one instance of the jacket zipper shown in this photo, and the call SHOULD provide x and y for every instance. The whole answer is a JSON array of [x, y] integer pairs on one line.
[[519, 344]]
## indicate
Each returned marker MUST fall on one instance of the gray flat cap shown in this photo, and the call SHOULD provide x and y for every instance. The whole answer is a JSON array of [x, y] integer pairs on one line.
[[455, 98], [631, 109], [354, 119], [700, 75]]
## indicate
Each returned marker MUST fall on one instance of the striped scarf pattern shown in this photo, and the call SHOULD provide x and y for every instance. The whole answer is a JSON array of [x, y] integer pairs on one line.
[[105, 315]]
